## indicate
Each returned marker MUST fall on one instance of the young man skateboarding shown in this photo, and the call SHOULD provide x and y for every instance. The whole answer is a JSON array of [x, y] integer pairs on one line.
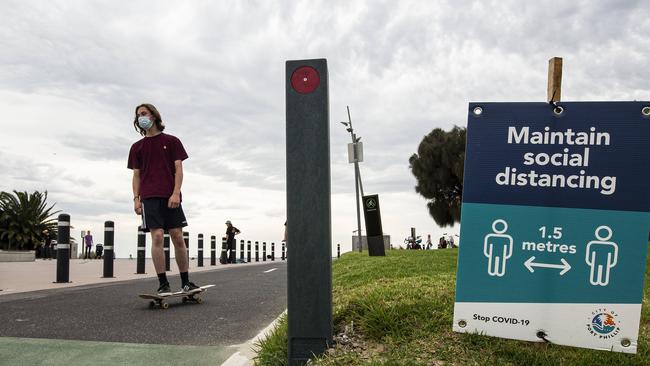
[[157, 164]]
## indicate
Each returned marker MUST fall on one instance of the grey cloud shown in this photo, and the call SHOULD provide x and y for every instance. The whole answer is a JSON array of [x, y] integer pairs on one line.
[[99, 147]]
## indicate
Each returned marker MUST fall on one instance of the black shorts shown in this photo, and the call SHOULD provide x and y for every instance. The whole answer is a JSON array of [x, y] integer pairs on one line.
[[156, 215]]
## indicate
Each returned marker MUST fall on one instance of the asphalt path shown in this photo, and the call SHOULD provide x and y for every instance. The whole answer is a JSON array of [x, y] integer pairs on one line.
[[244, 300]]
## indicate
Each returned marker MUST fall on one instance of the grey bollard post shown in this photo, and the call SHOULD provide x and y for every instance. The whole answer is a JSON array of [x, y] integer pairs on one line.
[[257, 251], [283, 248], [63, 246], [272, 251], [200, 255], [213, 250], [241, 251], [309, 271], [264, 251], [109, 250], [224, 249], [142, 247], [248, 257], [166, 249], [186, 239], [338, 250]]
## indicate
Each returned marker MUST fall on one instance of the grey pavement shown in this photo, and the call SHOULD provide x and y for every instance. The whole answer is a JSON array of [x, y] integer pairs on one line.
[[110, 316]]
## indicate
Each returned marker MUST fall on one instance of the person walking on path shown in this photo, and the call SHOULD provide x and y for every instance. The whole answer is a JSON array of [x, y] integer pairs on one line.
[[285, 233], [88, 240], [99, 250], [157, 164], [47, 245], [231, 243]]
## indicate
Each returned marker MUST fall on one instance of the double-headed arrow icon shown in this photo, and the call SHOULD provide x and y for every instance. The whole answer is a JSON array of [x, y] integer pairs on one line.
[[564, 266]]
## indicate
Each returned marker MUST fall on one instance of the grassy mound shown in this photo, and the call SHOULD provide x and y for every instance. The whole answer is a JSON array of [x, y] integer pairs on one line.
[[398, 310]]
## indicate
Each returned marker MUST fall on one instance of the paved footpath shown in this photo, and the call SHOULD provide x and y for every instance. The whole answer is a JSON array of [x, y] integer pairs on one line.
[[106, 323]]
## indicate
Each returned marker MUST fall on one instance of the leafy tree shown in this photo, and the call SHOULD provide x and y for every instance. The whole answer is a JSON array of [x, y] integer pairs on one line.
[[438, 168], [23, 218]]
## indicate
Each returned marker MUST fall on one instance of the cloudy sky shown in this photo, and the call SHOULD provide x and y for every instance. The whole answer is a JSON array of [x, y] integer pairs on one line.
[[72, 72]]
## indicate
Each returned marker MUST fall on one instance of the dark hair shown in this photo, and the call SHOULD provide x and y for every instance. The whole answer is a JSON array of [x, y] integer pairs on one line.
[[156, 115]]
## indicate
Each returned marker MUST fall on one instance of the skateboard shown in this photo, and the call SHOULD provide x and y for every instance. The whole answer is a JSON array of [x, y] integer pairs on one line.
[[159, 300]]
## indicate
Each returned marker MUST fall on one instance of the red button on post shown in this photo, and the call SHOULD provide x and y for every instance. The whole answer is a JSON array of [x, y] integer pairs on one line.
[[305, 79]]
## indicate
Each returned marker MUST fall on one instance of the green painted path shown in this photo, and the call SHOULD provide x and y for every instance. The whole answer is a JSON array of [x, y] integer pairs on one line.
[[31, 351]]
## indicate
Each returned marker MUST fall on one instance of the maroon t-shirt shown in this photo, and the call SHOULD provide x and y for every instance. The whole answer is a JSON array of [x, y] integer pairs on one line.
[[155, 157]]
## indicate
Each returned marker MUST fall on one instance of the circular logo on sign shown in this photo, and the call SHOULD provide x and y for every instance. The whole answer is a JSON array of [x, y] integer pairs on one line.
[[603, 324], [305, 79], [371, 203]]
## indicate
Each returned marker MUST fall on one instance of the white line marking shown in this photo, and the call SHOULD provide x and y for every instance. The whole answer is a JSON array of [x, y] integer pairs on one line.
[[270, 270]]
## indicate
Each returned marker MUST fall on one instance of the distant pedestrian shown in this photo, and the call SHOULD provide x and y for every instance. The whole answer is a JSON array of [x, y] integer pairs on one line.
[[285, 233], [231, 243], [442, 244], [157, 163], [47, 245], [99, 250], [429, 244], [88, 240]]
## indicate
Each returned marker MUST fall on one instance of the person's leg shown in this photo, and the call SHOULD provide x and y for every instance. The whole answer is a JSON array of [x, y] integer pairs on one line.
[[174, 223], [157, 251], [158, 256], [180, 250], [182, 261]]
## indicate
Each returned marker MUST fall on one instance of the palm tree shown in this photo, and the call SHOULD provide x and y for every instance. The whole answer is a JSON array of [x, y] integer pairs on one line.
[[24, 217]]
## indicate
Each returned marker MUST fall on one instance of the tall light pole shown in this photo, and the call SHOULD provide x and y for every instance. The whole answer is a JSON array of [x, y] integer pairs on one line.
[[357, 173]]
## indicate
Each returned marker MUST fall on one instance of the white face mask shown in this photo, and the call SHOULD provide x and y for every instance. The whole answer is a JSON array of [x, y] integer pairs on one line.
[[145, 122]]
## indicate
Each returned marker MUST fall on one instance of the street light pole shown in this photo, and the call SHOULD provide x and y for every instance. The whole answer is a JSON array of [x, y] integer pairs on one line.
[[357, 177]]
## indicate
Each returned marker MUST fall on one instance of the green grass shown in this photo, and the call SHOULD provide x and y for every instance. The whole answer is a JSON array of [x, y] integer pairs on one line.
[[398, 310]]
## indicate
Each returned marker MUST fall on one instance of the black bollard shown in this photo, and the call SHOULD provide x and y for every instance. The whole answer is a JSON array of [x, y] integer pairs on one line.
[[213, 250], [232, 252], [264, 251], [241, 251], [109, 251], [63, 245], [272, 251], [200, 255], [186, 239], [338, 250], [224, 251], [142, 247], [166, 249], [257, 251], [283, 246], [248, 257]]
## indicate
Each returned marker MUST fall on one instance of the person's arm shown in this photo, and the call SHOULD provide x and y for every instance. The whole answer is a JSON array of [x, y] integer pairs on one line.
[[137, 204], [175, 199]]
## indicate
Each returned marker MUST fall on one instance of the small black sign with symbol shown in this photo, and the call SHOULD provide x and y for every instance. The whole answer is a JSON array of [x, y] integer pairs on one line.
[[374, 230]]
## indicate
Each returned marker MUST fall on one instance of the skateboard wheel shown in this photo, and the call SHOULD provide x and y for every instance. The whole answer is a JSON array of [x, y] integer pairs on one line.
[[184, 300], [164, 305], [152, 304], [199, 300]]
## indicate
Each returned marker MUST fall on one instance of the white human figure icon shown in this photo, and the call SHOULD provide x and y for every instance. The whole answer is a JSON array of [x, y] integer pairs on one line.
[[601, 255], [497, 247]]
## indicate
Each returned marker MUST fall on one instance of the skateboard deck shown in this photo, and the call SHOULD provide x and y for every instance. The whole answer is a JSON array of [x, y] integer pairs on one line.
[[159, 300]]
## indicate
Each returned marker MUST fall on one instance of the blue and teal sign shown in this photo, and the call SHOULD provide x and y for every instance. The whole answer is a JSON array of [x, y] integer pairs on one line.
[[555, 222]]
